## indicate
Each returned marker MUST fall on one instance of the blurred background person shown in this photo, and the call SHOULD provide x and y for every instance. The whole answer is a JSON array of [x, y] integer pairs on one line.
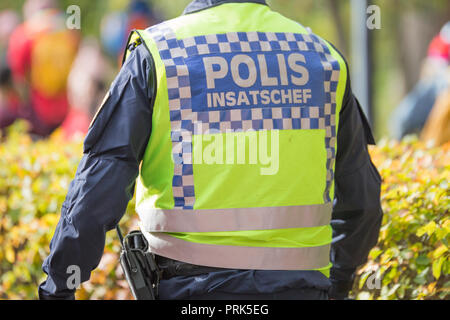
[[91, 70], [117, 25], [437, 127], [40, 54], [9, 98], [412, 113], [86, 87], [141, 15]]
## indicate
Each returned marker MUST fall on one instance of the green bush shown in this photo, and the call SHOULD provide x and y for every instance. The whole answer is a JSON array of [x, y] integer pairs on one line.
[[34, 178], [411, 258]]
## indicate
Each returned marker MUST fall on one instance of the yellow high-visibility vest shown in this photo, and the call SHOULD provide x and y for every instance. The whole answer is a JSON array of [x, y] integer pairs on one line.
[[239, 168]]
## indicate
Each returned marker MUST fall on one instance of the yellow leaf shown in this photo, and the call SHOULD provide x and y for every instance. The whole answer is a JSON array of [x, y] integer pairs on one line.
[[446, 225], [437, 266], [431, 287], [10, 255], [429, 229], [440, 251]]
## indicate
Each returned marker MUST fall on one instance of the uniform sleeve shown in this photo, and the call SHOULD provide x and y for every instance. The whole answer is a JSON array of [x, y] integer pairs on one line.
[[104, 183], [357, 212]]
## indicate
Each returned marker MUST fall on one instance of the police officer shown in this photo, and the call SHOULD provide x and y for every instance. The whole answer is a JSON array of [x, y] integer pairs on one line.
[[251, 151]]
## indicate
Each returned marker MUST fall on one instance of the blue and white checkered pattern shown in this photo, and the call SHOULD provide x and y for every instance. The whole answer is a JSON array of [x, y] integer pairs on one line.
[[280, 118], [183, 120]]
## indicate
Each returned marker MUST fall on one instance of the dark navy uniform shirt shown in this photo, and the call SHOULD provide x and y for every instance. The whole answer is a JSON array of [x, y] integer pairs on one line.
[[105, 181]]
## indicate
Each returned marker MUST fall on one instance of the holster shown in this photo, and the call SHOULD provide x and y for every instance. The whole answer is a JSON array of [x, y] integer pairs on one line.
[[139, 266]]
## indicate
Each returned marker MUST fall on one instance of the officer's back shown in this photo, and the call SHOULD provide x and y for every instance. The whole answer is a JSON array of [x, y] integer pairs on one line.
[[254, 132]]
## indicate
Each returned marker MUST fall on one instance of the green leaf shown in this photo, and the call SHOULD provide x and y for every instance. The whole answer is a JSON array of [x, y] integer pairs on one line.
[[393, 290], [437, 267], [374, 253], [363, 279], [428, 229], [440, 251], [423, 260], [421, 278]]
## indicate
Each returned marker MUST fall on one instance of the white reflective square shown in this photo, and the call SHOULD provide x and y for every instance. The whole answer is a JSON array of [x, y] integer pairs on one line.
[[203, 49], [211, 38], [245, 47], [268, 124], [224, 47], [233, 37], [189, 42], [252, 36]]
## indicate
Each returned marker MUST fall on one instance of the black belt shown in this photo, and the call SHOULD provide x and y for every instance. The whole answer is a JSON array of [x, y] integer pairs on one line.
[[172, 268]]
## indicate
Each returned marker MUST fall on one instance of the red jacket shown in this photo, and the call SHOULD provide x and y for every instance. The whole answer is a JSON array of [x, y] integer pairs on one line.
[[51, 111]]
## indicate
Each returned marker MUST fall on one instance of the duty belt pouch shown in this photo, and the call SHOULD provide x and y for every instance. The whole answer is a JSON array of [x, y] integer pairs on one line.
[[139, 266]]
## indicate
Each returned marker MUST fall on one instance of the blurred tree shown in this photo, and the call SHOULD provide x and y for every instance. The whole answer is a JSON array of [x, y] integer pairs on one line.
[[335, 8]]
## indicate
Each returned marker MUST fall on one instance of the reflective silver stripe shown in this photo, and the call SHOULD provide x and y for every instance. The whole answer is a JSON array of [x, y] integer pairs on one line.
[[216, 220], [236, 257]]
